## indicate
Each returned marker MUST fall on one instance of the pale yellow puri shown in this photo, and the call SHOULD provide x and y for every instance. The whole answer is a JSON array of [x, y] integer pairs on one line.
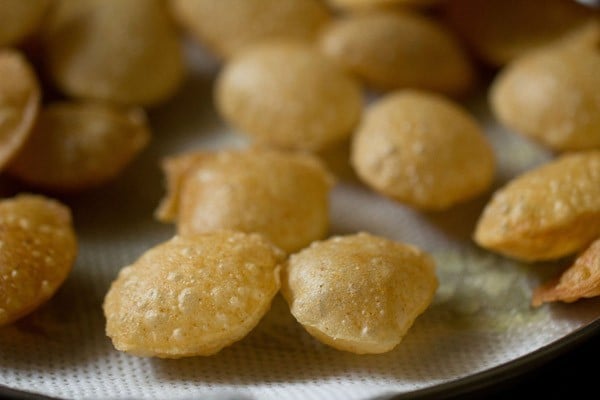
[[501, 30], [546, 213], [282, 195], [120, 51], [286, 94], [422, 150], [78, 145], [19, 19], [359, 293], [580, 280], [38, 248], [193, 295], [552, 95], [19, 102], [228, 26], [389, 50]]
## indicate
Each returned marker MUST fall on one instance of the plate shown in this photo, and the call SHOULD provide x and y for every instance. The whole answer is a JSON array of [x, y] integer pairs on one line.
[[480, 326]]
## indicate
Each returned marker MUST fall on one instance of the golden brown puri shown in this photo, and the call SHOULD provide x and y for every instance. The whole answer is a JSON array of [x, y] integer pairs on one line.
[[19, 102], [390, 50], [282, 195], [580, 280], [501, 30], [78, 145], [546, 213], [228, 26], [192, 295], [359, 293], [37, 251], [423, 150], [287, 94], [552, 95], [19, 19], [120, 51]]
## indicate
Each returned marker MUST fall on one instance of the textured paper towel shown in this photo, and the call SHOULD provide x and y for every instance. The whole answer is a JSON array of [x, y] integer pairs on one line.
[[480, 317]]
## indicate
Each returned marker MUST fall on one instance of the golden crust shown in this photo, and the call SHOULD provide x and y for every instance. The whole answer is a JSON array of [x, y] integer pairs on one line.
[[75, 146], [287, 94], [229, 26], [390, 50], [359, 293], [546, 213], [423, 150], [553, 95], [359, 5], [580, 280], [19, 103], [282, 195], [192, 295], [37, 251], [121, 51]]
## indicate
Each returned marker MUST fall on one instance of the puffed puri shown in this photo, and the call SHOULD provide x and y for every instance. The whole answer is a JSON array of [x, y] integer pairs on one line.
[[192, 296], [359, 293]]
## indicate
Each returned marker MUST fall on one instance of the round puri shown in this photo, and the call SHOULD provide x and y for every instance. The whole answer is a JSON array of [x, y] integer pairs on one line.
[[423, 150], [19, 18], [228, 26], [192, 296], [37, 250], [287, 94], [78, 145], [553, 95], [283, 195], [389, 50], [363, 4], [120, 51], [546, 213], [502, 30], [359, 293], [19, 103]]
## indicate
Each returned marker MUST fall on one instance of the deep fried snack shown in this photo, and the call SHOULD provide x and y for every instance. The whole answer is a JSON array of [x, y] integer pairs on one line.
[[228, 26], [78, 145], [359, 293], [284, 196], [38, 248], [390, 50], [289, 95], [19, 103], [19, 18], [192, 295], [580, 280], [502, 30], [423, 150], [553, 95], [121, 51], [546, 213]]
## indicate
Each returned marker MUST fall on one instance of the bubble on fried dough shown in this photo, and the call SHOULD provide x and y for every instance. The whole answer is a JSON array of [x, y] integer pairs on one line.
[[149, 314], [37, 253], [359, 293], [523, 221], [78, 145]]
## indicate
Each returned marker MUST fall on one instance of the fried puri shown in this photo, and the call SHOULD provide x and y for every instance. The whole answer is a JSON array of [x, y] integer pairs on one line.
[[359, 293], [192, 295], [283, 195]]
